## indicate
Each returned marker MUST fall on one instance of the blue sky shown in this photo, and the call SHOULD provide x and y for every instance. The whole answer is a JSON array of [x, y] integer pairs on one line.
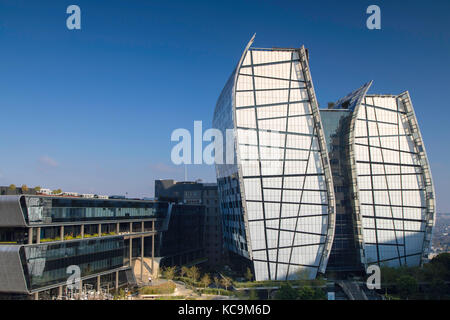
[[93, 110]]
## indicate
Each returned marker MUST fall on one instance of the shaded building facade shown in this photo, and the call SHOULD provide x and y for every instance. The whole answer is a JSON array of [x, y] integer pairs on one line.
[[344, 255], [204, 194]]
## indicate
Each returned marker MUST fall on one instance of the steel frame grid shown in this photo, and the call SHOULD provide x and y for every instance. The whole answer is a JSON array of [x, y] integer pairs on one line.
[[317, 133], [414, 132]]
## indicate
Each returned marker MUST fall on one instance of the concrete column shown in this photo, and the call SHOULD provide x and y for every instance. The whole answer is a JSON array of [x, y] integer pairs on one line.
[[81, 289], [36, 296], [61, 233], [38, 235], [131, 250], [142, 258], [60, 291], [153, 254], [82, 231], [99, 229], [131, 227], [117, 280], [98, 283], [153, 225], [117, 227], [142, 226], [30, 235]]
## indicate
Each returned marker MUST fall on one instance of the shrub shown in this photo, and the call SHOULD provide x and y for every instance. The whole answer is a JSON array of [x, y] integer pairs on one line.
[[406, 286], [253, 295], [286, 292], [249, 275], [308, 293], [221, 292]]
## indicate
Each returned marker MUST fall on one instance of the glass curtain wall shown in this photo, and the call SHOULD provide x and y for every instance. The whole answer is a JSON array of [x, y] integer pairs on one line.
[[47, 264], [391, 168], [276, 200]]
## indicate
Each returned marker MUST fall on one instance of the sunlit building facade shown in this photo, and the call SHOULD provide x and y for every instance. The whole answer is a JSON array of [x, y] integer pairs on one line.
[[392, 188], [277, 198], [314, 190]]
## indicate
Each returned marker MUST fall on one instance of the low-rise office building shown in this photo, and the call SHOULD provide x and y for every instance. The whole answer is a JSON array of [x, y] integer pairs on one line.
[[44, 238]]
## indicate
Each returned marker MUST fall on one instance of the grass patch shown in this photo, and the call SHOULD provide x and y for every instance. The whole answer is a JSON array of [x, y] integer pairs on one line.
[[163, 288]]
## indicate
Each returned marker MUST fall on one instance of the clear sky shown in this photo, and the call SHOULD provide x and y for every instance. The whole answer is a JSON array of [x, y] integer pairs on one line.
[[92, 110]]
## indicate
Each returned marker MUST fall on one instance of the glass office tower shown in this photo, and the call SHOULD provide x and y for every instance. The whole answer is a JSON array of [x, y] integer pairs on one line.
[[312, 191], [277, 197], [393, 194]]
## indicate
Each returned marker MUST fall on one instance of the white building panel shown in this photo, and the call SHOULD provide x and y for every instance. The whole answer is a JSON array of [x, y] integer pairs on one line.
[[246, 118], [277, 144], [300, 109], [272, 210], [244, 99], [397, 197], [271, 111]]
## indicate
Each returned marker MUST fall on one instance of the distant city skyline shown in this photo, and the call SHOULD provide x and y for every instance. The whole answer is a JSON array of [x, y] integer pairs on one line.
[[92, 110]]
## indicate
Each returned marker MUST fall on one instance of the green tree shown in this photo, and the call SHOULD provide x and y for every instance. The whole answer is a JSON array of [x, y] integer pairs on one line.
[[226, 282], [437, 289], [441, 266], [319, 294], [249, 275], [406, 286], [286, 292], [310, 293], [388, 276], [169, 273], [217, 283], [194, 273], [24, 188], [57, 191], [206, 280], [37, 188], [306, 293], [12, 187], [184, 271]]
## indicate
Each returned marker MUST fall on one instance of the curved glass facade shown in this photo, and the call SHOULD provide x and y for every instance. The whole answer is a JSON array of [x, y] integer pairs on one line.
[[395, 192], [277, 199], [310, 192]]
